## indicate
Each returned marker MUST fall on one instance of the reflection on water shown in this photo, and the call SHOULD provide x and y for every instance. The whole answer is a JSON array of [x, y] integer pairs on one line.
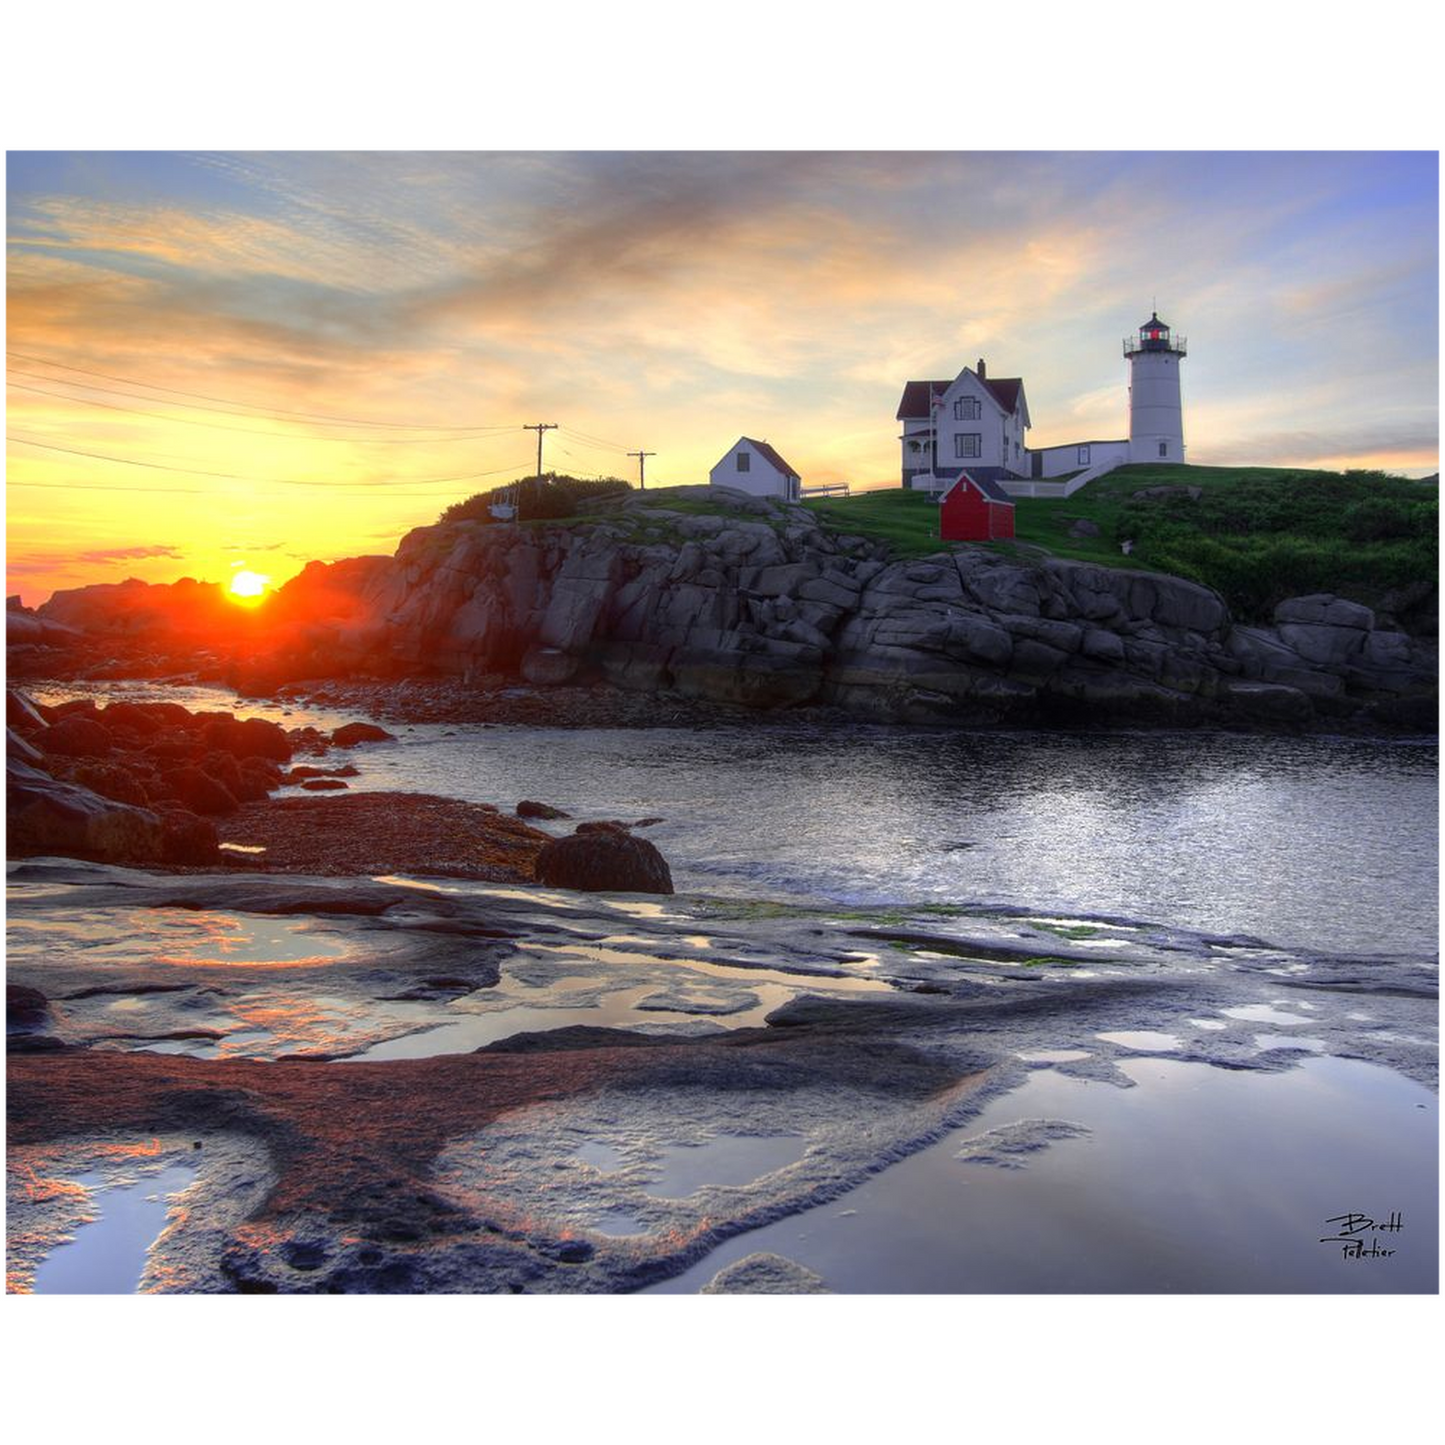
[[1201, 1180], [108, 1255], [728, 1159], [1146, 1040], [178, 938]]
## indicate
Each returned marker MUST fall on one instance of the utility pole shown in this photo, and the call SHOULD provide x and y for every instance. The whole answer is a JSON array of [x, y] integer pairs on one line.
[[539, 428], [642, 467]]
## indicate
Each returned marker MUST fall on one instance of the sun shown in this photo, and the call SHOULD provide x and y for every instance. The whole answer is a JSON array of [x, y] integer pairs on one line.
[[249, 587]]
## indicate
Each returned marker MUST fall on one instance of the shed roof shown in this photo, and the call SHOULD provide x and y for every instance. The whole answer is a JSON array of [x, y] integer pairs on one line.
[[986, 484], [770, 455]]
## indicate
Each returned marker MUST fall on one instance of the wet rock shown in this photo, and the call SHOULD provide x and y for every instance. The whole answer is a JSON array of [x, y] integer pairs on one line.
[[1271, 702], [188, 839], [573, 1251], [324, 785], [138, 719], [25, 1007], [17, 747], [348, 735], [527, 808], [258, 778], [200, 792], [765, 1274], [45, 815], [305, 1254], [111, 780], [599, 860], [224, 768], [76, 737], [23, 713], [549, 667], [251, 737]]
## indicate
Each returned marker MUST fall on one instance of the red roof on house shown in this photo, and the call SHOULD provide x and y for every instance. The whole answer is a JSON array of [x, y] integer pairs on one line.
[[1005, 391], [918, 399], [770, 455], [918, 396]]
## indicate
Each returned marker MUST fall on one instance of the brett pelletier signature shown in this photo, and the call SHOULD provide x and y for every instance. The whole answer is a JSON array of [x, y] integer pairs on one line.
[[1358, 1234]]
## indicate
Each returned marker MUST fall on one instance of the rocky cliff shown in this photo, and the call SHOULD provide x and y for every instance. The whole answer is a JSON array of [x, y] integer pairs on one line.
[[761, 606]]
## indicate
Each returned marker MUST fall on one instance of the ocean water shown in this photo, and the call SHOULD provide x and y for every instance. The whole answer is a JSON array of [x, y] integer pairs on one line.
[[1324, 843], [1310, 843]]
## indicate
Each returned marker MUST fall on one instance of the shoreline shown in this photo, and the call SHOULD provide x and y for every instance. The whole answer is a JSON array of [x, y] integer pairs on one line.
[[445, 700]]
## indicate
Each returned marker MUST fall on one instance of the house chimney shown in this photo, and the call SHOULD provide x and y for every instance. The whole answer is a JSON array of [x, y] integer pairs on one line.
[[982, 369]]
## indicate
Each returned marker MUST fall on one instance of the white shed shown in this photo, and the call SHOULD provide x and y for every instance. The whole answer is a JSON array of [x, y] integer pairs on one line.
[[753, 466]]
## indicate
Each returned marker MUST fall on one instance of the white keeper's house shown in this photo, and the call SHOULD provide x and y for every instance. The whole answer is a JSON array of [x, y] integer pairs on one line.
[[753, 466], [977, 422]]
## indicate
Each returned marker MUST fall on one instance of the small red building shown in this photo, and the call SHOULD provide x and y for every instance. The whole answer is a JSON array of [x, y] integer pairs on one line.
[[976, 509]]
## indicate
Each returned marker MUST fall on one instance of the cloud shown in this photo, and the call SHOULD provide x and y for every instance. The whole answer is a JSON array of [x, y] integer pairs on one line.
[[128, 554]]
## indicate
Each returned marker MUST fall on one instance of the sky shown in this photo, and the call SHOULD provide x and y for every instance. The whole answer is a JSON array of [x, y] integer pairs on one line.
[[249, 360]]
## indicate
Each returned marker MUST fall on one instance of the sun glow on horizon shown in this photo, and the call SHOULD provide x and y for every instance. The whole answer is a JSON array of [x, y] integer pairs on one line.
[[249, 587]]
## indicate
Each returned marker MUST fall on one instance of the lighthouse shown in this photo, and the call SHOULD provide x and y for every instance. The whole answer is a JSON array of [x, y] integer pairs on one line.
[[1156, 415]]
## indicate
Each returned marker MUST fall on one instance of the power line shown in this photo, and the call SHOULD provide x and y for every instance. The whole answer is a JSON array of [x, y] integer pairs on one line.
[[434, 435], [274, 411], [583, 436], [244, 430], [242, 477]]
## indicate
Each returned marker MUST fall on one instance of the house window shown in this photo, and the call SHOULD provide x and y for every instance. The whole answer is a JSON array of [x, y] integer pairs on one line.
[[745, 461], [1163, 449], [967, 444], [966, 409], [1083, 459]]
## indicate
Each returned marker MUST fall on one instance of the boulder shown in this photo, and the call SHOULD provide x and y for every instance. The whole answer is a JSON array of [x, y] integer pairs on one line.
[[324, 785], [602, 860], [1324, 609], [136, 718], [548, 667], [1321, 643], [188, 839], [224, 768], [17, 747], [1269, 702], [251, 737], [45, 815], [75, 736], [258, 778], [349, 734], [25, 1008], [111, 780], [200, 792], [527, 808], [23, 713]]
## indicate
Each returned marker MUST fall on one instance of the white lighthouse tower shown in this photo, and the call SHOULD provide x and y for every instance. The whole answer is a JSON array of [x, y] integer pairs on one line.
[[1156, 416]]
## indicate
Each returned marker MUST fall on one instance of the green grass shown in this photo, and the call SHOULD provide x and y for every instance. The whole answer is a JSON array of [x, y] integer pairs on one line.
[[1255, 534]]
